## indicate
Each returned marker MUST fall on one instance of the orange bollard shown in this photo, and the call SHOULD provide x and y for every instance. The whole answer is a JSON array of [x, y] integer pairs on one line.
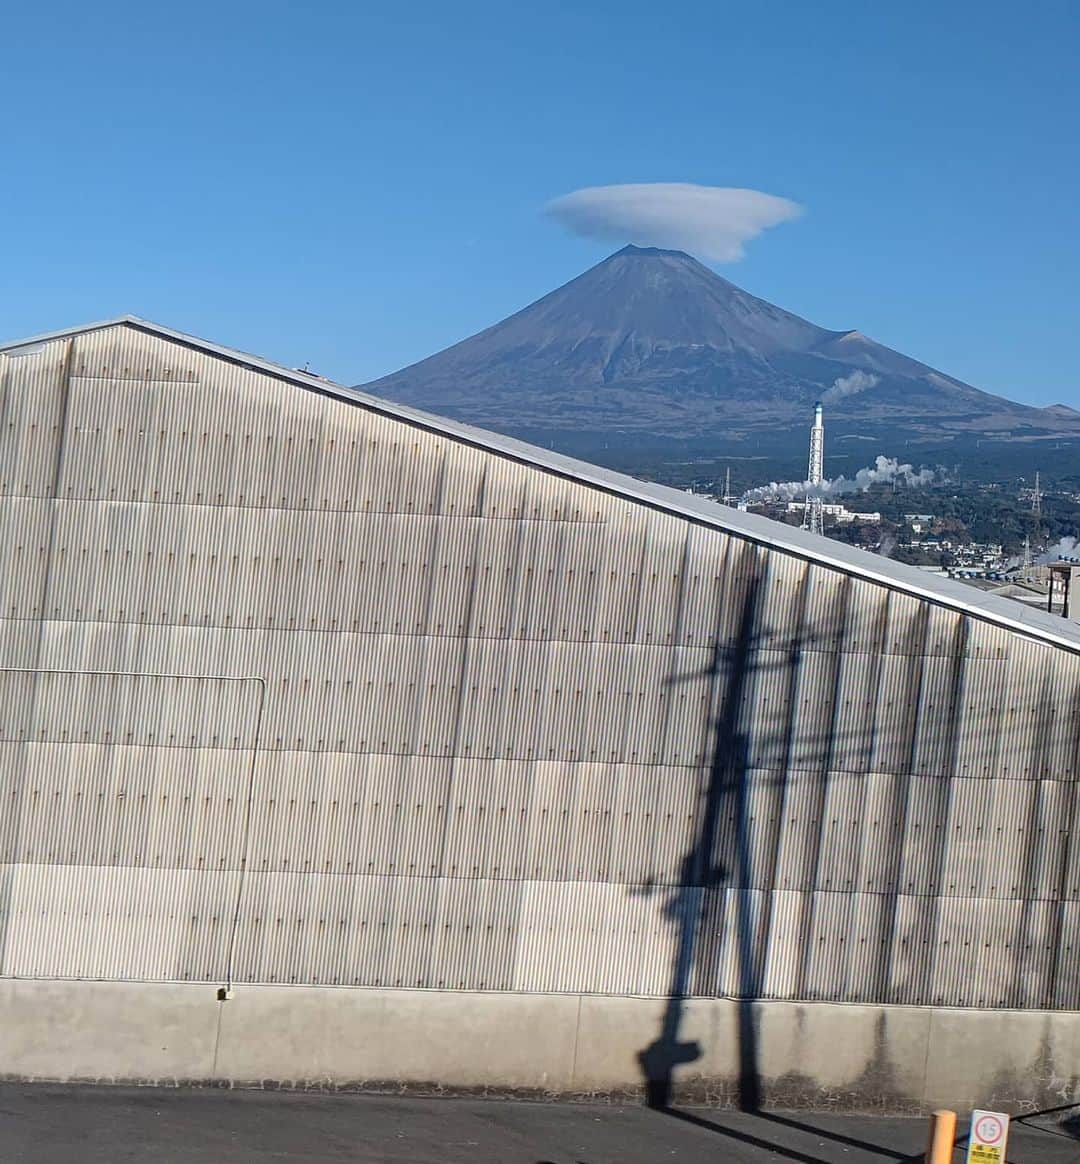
[[939, 1147]]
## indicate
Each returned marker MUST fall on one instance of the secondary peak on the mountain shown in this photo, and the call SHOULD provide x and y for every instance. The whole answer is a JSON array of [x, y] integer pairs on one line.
[[653, 342]]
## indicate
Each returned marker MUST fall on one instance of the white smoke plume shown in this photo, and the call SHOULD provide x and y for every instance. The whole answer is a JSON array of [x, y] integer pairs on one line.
[[885, 470], [858, 381], [1065, 548], [712, 222]]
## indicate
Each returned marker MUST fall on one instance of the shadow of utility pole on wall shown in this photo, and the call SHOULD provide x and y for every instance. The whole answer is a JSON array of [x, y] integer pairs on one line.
[[700, 891]]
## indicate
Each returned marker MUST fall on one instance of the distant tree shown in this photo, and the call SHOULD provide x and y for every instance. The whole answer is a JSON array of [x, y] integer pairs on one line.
[[951, 529]]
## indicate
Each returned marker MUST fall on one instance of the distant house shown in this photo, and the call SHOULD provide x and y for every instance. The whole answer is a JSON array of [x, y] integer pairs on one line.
[[919, 522]]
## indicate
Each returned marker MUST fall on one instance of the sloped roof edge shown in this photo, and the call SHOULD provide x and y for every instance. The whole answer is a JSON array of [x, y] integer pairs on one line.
[[753, 527]]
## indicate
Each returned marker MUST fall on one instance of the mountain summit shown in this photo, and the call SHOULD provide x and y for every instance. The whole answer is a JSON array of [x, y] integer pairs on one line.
[[653, 343]]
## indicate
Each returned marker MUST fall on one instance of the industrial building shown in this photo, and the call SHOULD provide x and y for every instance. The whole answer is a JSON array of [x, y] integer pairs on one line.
[[343, 745]]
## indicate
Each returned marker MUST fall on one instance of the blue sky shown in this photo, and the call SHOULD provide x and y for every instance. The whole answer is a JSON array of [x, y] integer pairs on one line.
[[359, 185]]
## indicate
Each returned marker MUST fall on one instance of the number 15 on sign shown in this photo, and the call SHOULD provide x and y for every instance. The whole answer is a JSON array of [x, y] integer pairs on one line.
[[986, 1140]]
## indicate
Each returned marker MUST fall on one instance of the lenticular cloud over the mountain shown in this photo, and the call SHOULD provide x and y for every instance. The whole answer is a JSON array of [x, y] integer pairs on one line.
[[712, 222]]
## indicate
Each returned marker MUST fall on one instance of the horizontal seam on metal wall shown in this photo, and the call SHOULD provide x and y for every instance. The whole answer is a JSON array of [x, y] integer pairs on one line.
[[120, 674], [632, 888], [323, 630], [171, 380], [13, 742], [758, 1000], [821, 775], [270, 508], [710, 646]]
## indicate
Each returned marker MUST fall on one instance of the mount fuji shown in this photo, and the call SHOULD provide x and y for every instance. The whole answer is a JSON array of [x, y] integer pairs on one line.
[[651, 347]]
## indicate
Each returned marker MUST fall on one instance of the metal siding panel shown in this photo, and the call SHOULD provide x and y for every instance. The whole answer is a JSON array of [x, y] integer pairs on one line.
[[900, 679], [978, 726], [110, 805], [705, 585], [984, 957], [165, 710], [477, 934], [658, 582], [782, 606], [816, 713], [910, 962], [801, 840], [847, 946], [866, 623], [119, 922], [826, 610], [906, 625], [729, 956], [853, 733], [1031, 711], [493, 695], [1065, 992], [607, 939], [783, 958], [348, 930], [934, 725], [742, 571], [485, 810], [32, 414], [24, 556]]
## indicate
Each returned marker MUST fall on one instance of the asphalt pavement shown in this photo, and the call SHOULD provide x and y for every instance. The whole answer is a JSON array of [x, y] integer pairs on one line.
[[53, 1124]]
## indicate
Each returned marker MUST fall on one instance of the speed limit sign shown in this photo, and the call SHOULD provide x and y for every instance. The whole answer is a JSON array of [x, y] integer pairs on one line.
[[986, 1140]]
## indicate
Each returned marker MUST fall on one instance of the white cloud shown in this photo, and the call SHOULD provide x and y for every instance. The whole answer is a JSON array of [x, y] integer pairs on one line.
[[712, 222]]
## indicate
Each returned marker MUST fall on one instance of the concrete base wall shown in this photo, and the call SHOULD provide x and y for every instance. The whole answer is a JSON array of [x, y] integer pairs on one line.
[[813, 1055]]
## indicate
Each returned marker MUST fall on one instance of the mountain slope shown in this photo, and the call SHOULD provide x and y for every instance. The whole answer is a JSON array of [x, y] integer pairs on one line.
[[651, 342]]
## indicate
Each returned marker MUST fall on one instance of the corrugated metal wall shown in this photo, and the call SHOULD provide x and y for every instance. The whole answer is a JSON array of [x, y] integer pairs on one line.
[[296, 692]]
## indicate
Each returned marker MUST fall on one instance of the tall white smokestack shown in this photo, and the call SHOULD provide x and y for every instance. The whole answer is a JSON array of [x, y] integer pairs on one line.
[[815, 473]]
